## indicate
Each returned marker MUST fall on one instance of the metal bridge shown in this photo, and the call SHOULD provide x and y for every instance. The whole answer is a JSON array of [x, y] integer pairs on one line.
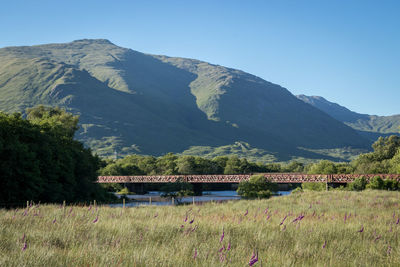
[[282, 178]]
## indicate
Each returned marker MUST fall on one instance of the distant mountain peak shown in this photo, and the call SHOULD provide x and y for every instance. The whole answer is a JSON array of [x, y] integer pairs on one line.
[[93, 41]]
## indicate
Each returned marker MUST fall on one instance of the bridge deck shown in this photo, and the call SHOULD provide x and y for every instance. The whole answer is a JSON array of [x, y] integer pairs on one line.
[[237, 178]]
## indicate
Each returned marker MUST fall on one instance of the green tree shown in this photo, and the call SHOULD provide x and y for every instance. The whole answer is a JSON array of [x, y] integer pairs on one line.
[[257, 187], [323, 167]]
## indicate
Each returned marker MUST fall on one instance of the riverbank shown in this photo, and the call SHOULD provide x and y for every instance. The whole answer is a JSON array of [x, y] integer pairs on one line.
[[308, 229]]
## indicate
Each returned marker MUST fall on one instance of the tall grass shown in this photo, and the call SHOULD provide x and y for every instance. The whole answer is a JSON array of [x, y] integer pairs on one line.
[[329, 234]]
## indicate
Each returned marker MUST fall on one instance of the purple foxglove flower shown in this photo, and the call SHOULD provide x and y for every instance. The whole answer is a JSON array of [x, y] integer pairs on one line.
[[229, 246], [283, 220], [222, 236], [221, 249], [25, 246], [191, 221], [253, 259], [95, 220], [247, 212]]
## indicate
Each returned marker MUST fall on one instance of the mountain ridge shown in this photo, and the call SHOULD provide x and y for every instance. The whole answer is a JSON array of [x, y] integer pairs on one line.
[[134, 102]]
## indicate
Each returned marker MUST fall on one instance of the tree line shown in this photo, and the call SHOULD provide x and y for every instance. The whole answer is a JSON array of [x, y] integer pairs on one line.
[[40, 160], [385, 158]]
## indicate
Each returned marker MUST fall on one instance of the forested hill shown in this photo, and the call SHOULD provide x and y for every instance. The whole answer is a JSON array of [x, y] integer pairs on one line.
[[131, 102], [368, 125]]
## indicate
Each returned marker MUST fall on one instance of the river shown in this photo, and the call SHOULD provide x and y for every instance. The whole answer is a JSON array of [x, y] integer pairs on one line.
[[154, 198]]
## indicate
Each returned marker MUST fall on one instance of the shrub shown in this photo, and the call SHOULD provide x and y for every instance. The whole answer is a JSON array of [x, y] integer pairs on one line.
[[359, 184], [257, 187], [123, 191], [177, 189], [391, 185], [376, 183], [297, 190], [314, 186]]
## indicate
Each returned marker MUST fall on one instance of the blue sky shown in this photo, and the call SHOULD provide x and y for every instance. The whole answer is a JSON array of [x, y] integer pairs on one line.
[[344, 50]]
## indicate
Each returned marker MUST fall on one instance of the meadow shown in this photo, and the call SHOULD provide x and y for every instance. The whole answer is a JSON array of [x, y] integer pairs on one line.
[[336, 228]]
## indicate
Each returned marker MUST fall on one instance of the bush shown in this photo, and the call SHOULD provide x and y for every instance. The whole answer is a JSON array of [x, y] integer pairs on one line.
[[359, 184], [391, 185], [297, 190], [177, 189], [124, 191], [376, 183], [257, 187], [314, 186]]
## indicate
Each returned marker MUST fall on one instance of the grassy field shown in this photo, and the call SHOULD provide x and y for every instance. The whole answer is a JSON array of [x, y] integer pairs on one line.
[[338, 229]]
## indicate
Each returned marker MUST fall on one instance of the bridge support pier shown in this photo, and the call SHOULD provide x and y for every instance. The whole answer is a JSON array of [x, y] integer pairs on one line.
[[197, 189], [137, 188]]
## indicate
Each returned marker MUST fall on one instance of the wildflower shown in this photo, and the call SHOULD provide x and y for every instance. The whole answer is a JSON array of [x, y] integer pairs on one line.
[[229, 246], [377, 238], [324, 245], [95, 220], [345, 217], [25, 246], [266, 211], [389, 249], [398, 219], [222, 248], [247, 212], [186, 218], [361, 230], [195, 254], [54, 221], [23, 238], [191, 221], [254, 259], [283, 220], [222, 236], [269, 216]]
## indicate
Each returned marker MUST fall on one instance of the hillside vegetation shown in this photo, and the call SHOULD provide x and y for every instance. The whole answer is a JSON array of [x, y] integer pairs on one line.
[[131, 102], [370, 126]]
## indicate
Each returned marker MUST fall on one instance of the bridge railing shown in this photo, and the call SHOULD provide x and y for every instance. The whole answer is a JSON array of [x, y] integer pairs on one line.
[[237, 178]]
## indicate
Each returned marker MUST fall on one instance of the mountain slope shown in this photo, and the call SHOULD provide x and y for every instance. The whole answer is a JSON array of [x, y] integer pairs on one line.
[[134, 102], [368, 125]]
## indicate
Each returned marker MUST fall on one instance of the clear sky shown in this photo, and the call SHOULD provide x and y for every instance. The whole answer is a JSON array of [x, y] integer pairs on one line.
[[347, 51]]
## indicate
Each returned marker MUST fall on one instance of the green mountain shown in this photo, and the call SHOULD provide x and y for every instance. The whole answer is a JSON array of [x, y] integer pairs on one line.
[[370, 126], [131, 102]]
